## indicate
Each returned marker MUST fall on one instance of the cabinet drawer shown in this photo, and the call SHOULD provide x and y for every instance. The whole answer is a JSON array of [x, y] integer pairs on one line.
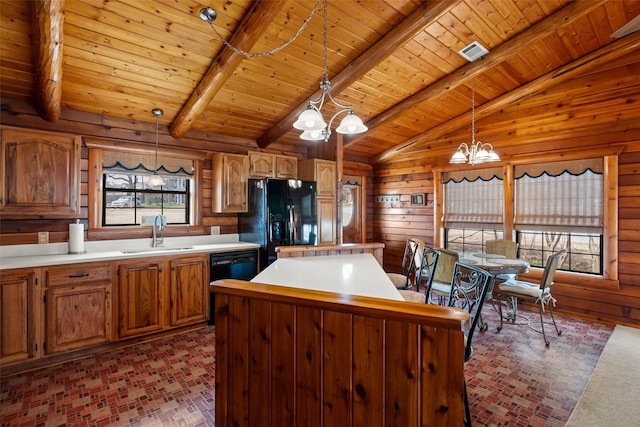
[[69, 274]]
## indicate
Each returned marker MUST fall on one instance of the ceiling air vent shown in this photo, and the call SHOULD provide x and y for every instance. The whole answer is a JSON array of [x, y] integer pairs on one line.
[[473, 51]]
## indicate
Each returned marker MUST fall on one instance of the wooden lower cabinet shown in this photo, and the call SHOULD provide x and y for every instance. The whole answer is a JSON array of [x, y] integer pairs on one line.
[[77, 317], [140, 301], [78, 308], [17, 315], [87, 307], [188, 295], [153, 297]]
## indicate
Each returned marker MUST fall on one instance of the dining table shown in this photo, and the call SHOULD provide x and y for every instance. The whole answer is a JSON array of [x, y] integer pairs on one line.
[[495, 264], [498, 266]]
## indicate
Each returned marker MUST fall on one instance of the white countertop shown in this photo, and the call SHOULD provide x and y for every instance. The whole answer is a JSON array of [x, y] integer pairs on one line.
[[356, 274], [23, 256]]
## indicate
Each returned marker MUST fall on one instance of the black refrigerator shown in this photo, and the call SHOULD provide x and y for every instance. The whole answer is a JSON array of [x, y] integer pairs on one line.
[[281, 212]]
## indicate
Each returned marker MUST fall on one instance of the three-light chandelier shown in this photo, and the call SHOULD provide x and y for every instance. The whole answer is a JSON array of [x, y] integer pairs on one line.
[[476, 152], [311, 122]]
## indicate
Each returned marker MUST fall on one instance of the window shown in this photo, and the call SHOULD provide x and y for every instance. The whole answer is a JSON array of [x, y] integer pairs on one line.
[[470, 240], [127, 197], [560, 206], [473, 208]]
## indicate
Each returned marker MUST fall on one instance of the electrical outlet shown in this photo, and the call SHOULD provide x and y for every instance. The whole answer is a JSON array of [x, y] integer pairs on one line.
[[43, 237], [215, 229]]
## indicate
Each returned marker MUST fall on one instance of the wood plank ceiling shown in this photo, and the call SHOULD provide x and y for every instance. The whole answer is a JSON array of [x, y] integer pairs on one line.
[[395, 61]]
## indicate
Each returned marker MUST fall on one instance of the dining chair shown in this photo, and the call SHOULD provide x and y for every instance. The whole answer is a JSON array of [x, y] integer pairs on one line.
[[511, 291], [422, 276], [469, 286], [402, 280], [441, 283], [506, 248]]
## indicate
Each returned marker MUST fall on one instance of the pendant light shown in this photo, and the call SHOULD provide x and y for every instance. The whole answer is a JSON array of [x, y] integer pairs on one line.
[[156, 180], [476, 152], [311, 122]]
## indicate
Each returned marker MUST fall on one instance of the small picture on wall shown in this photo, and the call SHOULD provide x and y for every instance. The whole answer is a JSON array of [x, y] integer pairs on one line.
[[417, 199]]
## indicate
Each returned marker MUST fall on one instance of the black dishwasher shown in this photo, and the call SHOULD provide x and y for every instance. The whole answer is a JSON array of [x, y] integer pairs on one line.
[[241, 265]]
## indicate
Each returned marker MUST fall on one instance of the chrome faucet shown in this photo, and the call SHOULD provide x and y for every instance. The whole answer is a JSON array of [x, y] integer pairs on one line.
[[157, 240]]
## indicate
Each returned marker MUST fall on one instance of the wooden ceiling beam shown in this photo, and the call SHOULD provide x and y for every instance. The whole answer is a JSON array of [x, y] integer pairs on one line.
[[422, 16], [467, 73], [48, 36], [608, 53], [254, 24]]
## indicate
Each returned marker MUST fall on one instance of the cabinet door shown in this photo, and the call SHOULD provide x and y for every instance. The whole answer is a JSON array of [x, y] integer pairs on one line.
[[326, 178], [40, 175], [261, 165], [231, 183], [77, 316], [326, 220], [189, 292], [139, 298], [286, 167], [17, 324]]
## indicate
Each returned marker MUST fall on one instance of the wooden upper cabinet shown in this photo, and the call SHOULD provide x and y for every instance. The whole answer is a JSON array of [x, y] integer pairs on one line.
[[267, 165], [41, 174], [261, 165], [286, 167], [230, 183], [323, 172]]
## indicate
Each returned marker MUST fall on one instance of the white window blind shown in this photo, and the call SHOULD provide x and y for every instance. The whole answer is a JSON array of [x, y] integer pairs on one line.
[[564, 195], [474, 199]]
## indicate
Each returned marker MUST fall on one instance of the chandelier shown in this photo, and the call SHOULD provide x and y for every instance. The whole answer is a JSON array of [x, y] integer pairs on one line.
[[156, 180], [312, 123], [476, 152]]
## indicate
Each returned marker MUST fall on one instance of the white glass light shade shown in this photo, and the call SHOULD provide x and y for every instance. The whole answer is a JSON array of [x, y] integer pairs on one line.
[[312, 135], [310, 119], [493, 156], [155, 180], [482, 155], [458, 157], [351, 125]]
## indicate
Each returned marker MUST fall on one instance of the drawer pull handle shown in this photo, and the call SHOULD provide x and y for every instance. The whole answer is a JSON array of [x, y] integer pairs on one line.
[[78, 275]]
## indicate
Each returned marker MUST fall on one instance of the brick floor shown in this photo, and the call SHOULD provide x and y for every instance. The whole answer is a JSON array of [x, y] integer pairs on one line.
[[513, 379]]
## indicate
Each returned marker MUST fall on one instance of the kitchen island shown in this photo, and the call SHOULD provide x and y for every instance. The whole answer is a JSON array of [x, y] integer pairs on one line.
[[293, 353], [355, 274]]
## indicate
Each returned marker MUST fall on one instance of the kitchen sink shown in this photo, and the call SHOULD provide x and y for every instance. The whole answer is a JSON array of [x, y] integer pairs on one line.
[[158, 249]]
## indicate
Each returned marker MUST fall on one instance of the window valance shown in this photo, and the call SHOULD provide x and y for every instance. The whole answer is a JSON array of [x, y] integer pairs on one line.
[[474, 204], [114, 161]]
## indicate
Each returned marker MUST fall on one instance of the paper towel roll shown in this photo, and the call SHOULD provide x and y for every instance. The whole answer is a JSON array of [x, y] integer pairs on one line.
[[76, 238]]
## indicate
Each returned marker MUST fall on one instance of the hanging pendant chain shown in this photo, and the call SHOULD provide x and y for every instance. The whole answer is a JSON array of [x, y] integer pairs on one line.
[[272, 51], [473, 112], [324, 29]]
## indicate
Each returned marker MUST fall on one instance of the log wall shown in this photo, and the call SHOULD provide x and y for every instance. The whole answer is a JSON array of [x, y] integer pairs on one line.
[[290, 357], [20, 114]]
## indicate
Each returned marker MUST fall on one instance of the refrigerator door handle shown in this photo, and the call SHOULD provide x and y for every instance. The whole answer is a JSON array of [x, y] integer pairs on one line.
[[292, 223]]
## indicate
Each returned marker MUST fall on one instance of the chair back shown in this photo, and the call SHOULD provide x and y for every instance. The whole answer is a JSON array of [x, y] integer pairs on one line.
[[469, 288], [504, 247], [409, 256], [427, 266], [444, 269], [553, 262]]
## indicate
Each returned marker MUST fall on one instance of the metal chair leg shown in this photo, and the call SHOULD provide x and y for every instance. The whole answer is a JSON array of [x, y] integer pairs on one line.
[[467, 411]]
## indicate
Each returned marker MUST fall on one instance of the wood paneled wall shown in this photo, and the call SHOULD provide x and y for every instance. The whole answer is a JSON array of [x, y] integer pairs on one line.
[[583, 115], [20, 114], [290, 357]]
